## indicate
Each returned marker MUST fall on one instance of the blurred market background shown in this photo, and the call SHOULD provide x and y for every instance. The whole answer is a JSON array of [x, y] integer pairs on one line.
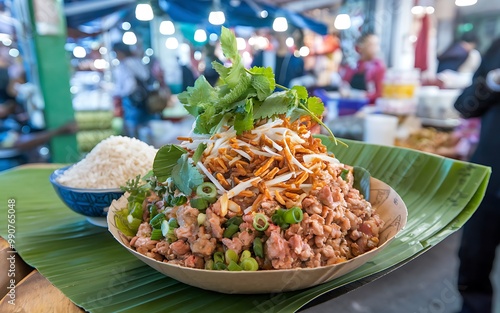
[[60, 59]]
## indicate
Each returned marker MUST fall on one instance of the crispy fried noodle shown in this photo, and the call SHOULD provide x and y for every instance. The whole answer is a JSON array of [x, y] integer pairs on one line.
[[276, 167]]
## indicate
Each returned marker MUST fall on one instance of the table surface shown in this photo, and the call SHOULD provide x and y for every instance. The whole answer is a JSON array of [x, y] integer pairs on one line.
[[34, 293]]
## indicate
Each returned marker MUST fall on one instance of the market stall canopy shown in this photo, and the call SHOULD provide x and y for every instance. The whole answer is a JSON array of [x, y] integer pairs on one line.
[[239, 13], [80, 12]]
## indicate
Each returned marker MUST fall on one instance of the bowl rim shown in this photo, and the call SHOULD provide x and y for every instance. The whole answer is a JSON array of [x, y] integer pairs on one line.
[[59, 171]]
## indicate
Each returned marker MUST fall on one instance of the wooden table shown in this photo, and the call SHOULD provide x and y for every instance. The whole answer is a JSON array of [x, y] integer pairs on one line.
[[33, 292]]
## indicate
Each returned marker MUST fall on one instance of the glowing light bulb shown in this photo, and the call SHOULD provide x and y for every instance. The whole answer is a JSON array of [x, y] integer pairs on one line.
[[216, 18], [280, 24], [342, 21], [144, 12], [167, 28], [200, 35]]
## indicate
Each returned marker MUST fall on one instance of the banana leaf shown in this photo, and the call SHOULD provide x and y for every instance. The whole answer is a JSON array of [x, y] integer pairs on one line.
[[99, 275]]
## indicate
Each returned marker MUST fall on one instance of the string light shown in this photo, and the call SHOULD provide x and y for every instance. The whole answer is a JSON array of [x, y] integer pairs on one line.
[[167, 28], [200, 35], [216, 16], [280, 24], [342, 21], [144, 12], [129, 38]]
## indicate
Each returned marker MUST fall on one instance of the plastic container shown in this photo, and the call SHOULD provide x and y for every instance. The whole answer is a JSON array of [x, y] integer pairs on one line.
[[400, 84], [338, 106], [380, 129]]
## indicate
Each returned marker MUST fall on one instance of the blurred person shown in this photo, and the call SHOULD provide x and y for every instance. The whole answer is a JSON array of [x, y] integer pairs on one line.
[[327, 60], [368, 75], [210, 56], [286, 66], [459, 62], [480, 236], [129, 75], [15, 145], [461, 56]]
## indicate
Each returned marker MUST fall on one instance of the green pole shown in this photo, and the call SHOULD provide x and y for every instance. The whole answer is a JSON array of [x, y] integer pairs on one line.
[[49, 37]]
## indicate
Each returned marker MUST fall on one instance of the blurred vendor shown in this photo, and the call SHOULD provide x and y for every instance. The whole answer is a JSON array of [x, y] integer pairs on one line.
[[370, 70]]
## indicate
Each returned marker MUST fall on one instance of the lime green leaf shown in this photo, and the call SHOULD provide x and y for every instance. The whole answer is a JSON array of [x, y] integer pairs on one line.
[[244, 121], [221, 69], [198, 97], [148, 175], [362, 181], [316, 106], [277, 103], [165, 159], [237, 93], [236, 74], [262, 86], [228, 45], [263, 81], [199, 152], [185, 175], [301, 92]]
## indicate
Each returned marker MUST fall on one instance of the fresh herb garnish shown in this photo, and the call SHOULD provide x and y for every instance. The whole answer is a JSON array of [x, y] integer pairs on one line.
[[199, 152], [137, 190], [165, 160], [246, 96], [185, 175]]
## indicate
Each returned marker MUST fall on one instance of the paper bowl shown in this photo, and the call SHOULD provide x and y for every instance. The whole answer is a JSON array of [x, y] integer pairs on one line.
[[387, 202]]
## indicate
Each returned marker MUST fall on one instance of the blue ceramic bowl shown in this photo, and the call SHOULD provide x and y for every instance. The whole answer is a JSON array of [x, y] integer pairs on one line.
[[92, 203]]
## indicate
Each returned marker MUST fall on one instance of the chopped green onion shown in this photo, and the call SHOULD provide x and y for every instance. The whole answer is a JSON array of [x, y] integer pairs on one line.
[[278, 219], [249, 264], [231, 230], [236, 220], [136, 210], [179, 200], [156, 221], [172, 225], [123, 225], [199, 203], [201, 218], [220, 266], [245, 254], [260, 222], [153, 210], [156, 234], [218, 257], [258, 249], [209, 265], [164, 228], [344, 174], [233, 266], [207, 191], [133, 224], [231, 255], [293, 215]]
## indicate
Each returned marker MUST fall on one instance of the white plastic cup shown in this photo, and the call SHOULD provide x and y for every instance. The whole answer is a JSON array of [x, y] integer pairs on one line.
[[380, 129]]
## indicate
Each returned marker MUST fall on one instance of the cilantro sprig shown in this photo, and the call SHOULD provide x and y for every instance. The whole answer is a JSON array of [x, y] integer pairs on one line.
[[245, 96]]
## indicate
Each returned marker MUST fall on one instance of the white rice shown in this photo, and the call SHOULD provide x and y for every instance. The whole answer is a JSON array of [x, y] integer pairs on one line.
[[110, 164]]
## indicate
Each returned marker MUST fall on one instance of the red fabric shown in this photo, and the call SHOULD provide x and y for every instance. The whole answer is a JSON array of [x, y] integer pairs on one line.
[[422, 44]]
